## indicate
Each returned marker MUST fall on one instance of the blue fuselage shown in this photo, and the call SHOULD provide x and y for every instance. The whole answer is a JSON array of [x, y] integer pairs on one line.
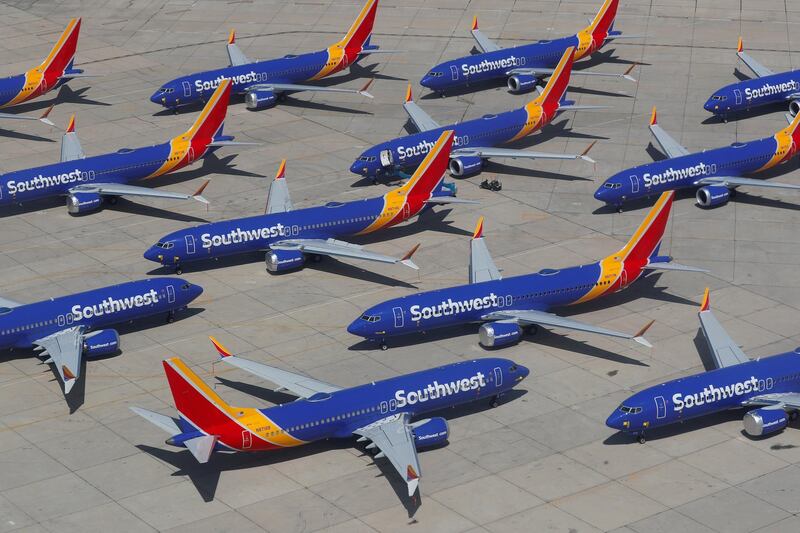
[[756, 92], [98, 308], [707, 393], [683, 172]]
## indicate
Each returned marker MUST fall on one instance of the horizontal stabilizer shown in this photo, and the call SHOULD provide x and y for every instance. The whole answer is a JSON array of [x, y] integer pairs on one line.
[[201, 447], [166, 423], [232, 143], [443, 200], [674, 266]]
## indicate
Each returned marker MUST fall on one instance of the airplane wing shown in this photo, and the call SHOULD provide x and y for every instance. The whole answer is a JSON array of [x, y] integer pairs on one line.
[[481, 265], [723, 349], [486, 151], [121, 189], [43, 118], [167, 423], [754, 65], [282, 87], [735, 181], [542, 72], [422, 121], [70, 144], [394, 437], [549, 319], [279, 200], [484, 43], [9, 304], [668, 144], [338, 248], [235, 54], [783, 400], [297, 384], [65, 349]]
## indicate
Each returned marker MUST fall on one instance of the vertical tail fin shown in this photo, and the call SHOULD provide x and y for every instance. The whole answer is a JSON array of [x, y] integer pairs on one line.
[[603, 22], [63, 52], [431, 171], [212, 118], [359, 33], [194, 400], [647, 237], [557, 85]]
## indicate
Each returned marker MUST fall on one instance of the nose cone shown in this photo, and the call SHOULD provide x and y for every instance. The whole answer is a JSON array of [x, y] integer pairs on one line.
[[154, 254], [157, 98], [357, 327], [709, 105], [427, 82], [195, 291], [616, 420], [523, 372], [600, 194], [356, 167]]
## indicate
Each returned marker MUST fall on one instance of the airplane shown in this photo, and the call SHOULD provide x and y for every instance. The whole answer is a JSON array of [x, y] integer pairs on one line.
[[87, 181], [67, 328], [384, 413], [263, 83], [770, 385], [714, 173], [56, 70], [524, 66], [766, 88], [475, 139], [289, 236], [505, 306]]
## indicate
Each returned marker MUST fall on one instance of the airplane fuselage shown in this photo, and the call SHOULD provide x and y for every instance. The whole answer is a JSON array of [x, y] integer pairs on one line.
[[98, 308], [753, 93], [707, 393], [339, 414], [683, 172]]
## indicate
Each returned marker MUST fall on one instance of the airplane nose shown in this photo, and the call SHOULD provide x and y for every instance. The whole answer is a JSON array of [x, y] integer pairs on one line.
[[523, 372], [197, 290], [615, 421], [356, 327], [599, 194], [156, 98], [355, 168], [426, 82], [152, 254]]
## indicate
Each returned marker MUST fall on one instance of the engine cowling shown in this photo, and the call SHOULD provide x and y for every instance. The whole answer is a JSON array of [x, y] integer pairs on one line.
[[83, 202], [522, 83], [496, 334], [764, 421], [100, 343], [713, 195], [794, 107], [464, 167], [281, 260], [430, 432], [260, 99]]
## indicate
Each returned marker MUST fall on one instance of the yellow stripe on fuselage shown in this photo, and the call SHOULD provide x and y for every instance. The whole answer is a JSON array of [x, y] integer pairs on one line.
[[784, 141], [535, 119], [585, 41], [335, 57]]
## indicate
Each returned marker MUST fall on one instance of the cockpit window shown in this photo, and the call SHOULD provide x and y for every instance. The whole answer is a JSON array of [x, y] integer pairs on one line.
[[512, 369], [612, 185], [165, 245], [435, 74], [630, 410], [166, 90], [370, 318], [719, 97], [185, 287]]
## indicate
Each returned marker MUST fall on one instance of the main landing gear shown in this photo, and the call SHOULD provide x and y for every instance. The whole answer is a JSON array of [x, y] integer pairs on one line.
[[384, 346], [640, 438], [170, 317], [495, 401]]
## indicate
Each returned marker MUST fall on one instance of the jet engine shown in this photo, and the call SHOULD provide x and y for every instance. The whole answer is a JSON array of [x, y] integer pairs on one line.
[[466, 166], [713, 195], [281, 260], [260, 99], [430, 432], [764, 421], [794, 107], [497, 334], [83, 202], [101, 342], [522, 83]]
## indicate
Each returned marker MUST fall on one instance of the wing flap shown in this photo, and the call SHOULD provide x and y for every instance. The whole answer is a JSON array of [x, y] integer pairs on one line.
[[393, 436], [338, 248]]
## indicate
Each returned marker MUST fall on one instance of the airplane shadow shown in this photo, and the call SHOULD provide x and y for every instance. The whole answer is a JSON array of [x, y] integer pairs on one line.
[[606, 57], [596, 92], [503, 168], [760, 111], [134, 208], [471, 89], [11, 134], [65, 95], [211, 164], [557, 130], [289, 101], [429, 220], [365, 72]]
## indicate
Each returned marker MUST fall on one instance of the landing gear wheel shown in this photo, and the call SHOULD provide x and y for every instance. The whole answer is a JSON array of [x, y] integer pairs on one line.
[[640, 438], [170, 317], [494, 402], [178, 270], [384, 346], [619, 209]]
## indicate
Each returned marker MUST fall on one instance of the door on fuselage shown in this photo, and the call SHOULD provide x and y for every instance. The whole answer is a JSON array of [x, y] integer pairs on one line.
[[187, 89], [170, 294], [454, 72], [634, 184], [661, 408], [189, 244], [398, 317], [738, 95], [498, 377]]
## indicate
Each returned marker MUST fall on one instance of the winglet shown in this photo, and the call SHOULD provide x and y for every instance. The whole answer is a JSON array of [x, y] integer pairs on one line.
[[740, 46], [69, 378], [639, 337], [586, 151], [71, 124], [475, 23], [363, 90], [409, 95], [281, 170], [198, 194], [232, 37], [223, 352], [406, 259], [44, 118], [706, 304], [478, 229], [412, 478], [627, 74], [67, 372], [654, 117]]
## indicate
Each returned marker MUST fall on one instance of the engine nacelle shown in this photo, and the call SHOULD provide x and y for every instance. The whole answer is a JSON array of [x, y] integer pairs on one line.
[[464, 167], [764, 421], [522, 83], [260, 99], [794, 107], [100, 343], [496, 334], [83, 202], [713, 195], [430, 432], [281, 260]]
